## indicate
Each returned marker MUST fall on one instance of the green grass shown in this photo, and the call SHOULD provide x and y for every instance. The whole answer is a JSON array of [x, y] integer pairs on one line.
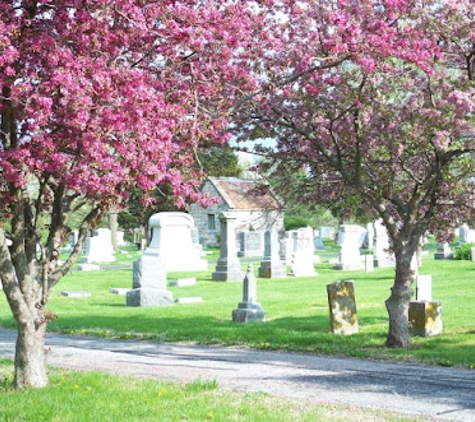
[[297, 313], [77, 396]]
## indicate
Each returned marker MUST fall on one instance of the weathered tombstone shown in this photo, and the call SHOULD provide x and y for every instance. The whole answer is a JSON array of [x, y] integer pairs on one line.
[[472, 254], [149, 282], [342, 304], [382, 255], [443, 251], [228, 267], [272, 266], [425, 318], [423, 288], [303, 258], [349, 240], [249, 310], [172, 241], [251, 243]]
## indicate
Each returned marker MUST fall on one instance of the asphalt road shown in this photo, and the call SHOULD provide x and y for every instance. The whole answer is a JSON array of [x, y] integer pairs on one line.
[[436, 392]]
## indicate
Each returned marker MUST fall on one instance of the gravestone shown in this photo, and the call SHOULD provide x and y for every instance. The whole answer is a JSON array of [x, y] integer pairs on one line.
[[383, 258], [149, 282], [99, 248], [76, 294], [287, 247], [120, 238], [425, 318], [172, 242], [249, 310], [466, 234], [349, 239], [183, 282], [326, 232], [149, 276], [303, 257], [369, 263], [423, 288], [192, 299], [272, 266], [119, 290], [368, 242], [318, 243], [89, 267], [251, 243], [228, 267], [443, 251], [342, 304]]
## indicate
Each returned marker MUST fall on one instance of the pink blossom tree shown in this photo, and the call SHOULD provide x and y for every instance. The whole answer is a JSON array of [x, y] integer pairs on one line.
[[376, 101], [99, 97]]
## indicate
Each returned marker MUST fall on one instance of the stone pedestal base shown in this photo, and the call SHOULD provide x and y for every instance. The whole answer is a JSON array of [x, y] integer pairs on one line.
[[149, 297], [443, 255], [228, 271], [271, 269], [249, 312], [425, 318]]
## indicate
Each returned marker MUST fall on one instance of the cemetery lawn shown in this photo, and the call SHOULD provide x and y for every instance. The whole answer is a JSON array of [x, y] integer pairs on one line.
[[92, 396], [297, 313]]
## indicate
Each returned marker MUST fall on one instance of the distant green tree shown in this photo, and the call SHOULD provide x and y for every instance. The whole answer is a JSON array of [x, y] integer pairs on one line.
[[219, 161]]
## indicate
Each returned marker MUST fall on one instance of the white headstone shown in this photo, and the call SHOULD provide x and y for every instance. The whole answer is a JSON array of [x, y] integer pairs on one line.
[[172, 241], [349, 240], [423, 288], [383, 258], [98, 249], [303, 258]]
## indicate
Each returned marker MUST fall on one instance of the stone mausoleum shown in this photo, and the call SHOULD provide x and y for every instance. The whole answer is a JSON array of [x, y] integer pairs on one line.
[[250, 201]]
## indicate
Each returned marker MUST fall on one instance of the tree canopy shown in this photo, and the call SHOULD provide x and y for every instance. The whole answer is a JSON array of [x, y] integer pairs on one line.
[[99, 98], [375, 100]]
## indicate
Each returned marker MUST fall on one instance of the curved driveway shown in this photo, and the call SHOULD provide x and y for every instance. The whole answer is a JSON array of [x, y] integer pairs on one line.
[[436, 392]]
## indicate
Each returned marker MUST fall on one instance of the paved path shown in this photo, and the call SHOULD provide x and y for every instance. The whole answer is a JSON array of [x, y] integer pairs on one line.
[[440, 393]]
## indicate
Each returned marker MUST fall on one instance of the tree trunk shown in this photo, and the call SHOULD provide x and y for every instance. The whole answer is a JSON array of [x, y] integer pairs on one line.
[[397, 304], [30, 357]]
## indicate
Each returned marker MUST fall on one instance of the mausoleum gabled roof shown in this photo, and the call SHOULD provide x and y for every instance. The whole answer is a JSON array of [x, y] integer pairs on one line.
[[246, 194]]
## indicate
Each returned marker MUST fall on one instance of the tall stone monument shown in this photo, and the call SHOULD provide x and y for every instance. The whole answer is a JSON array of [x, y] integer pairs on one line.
[[249, 310], [272, 266], [228, 267]]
